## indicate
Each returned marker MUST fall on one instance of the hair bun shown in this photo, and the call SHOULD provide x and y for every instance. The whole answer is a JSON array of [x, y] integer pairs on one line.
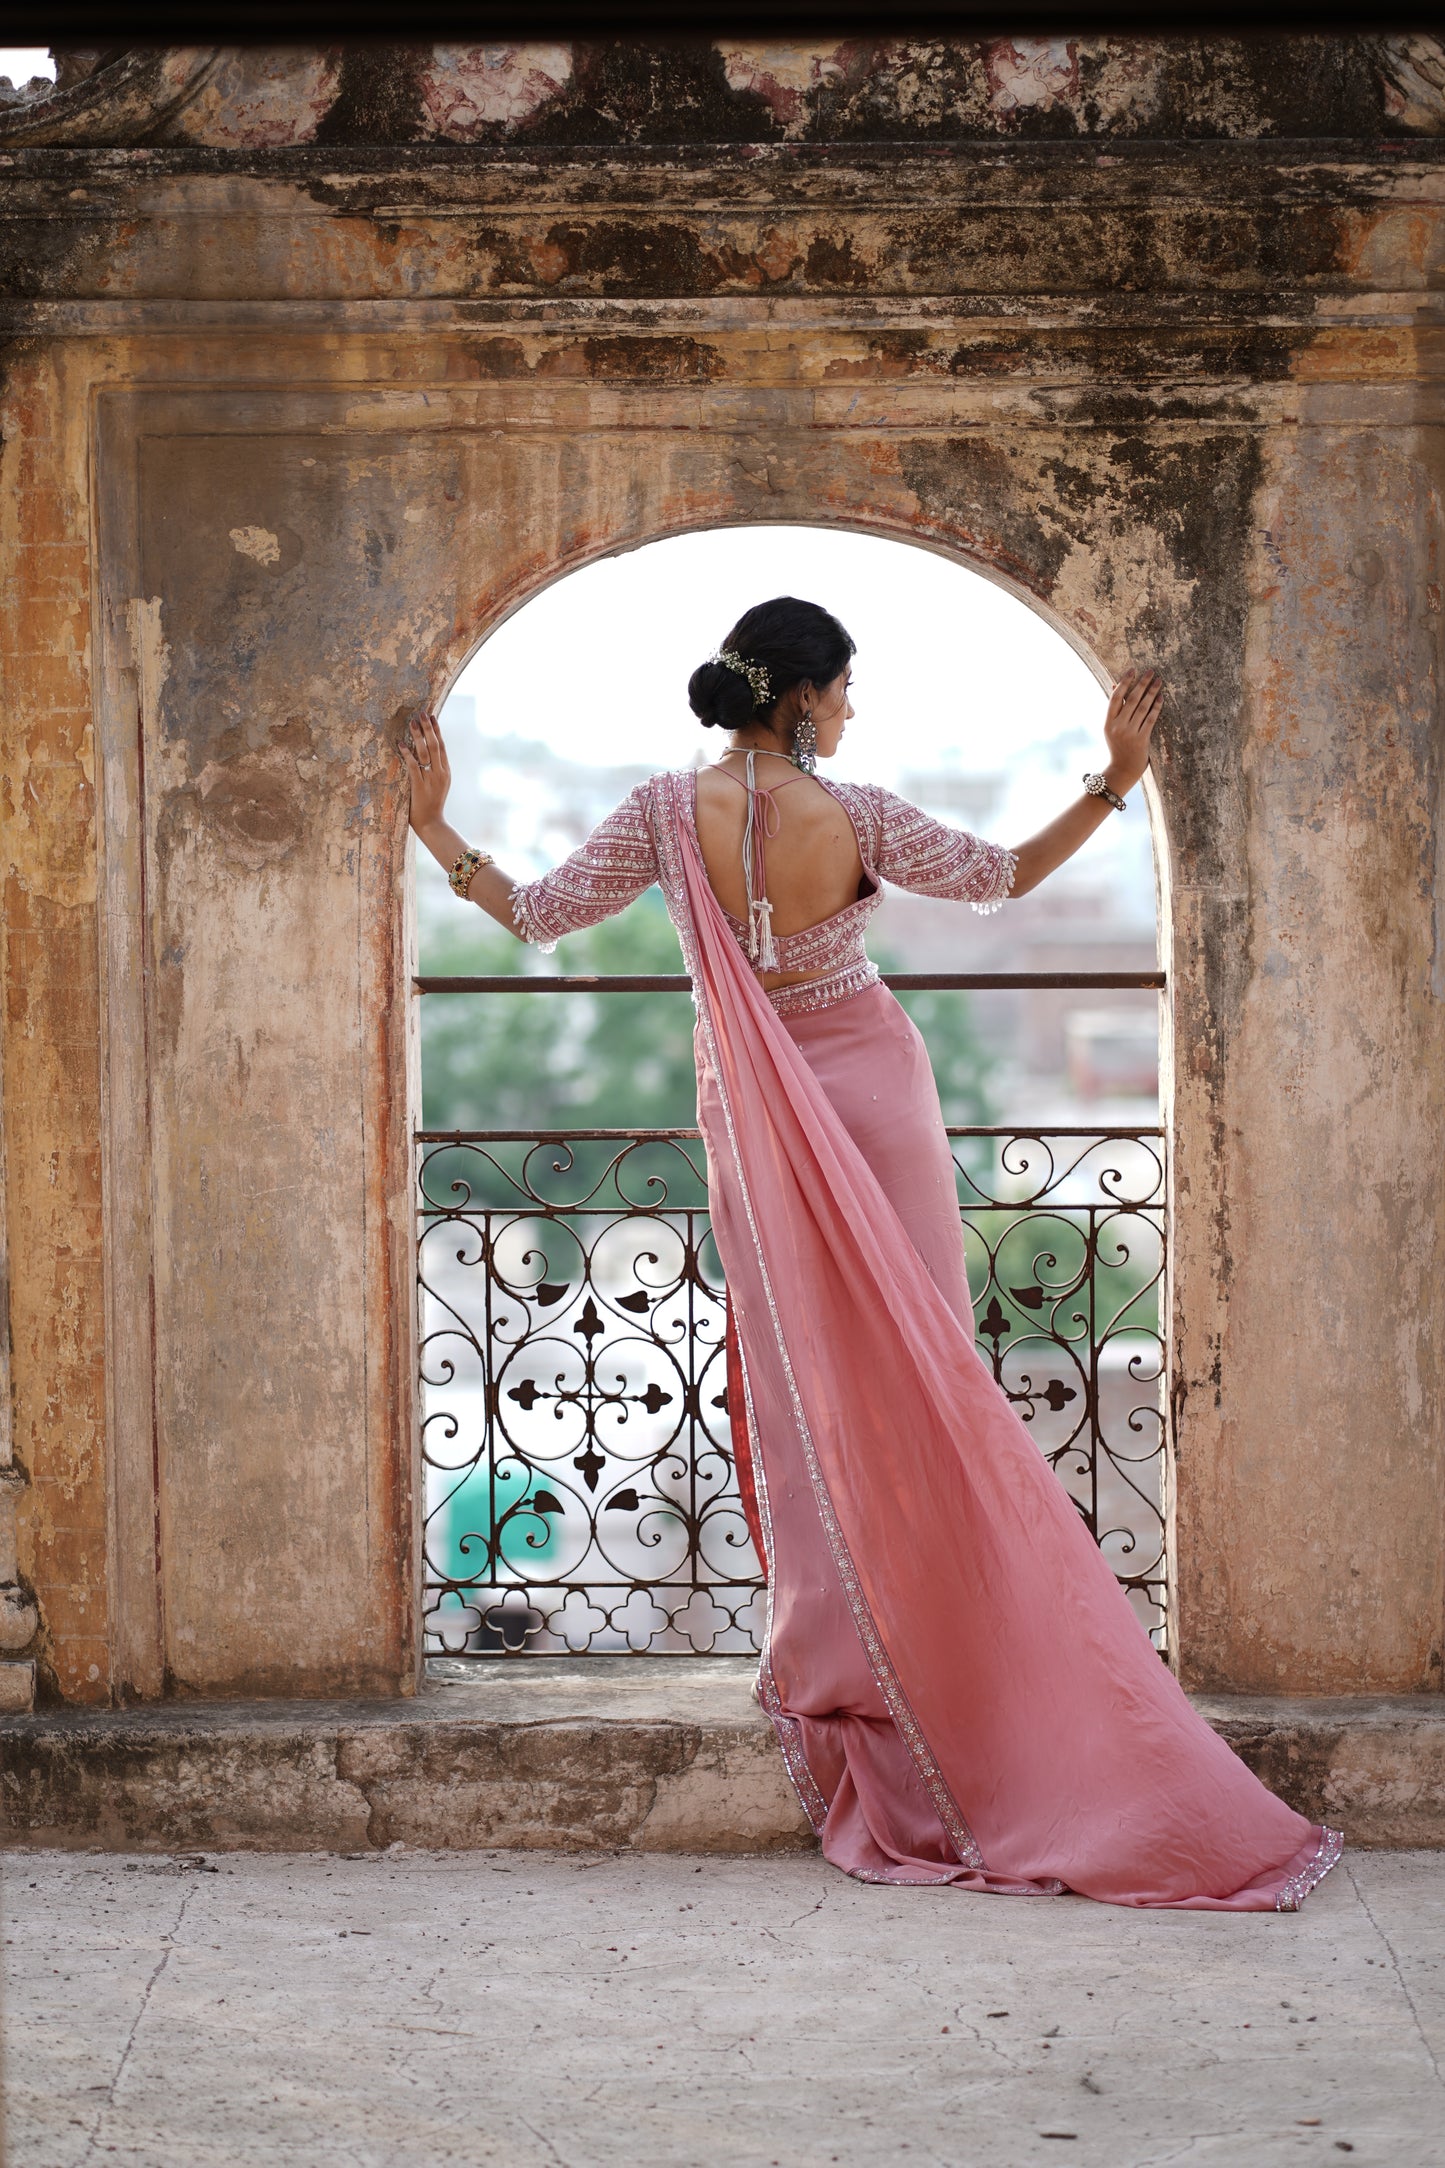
[[719, 697], [772, 647]]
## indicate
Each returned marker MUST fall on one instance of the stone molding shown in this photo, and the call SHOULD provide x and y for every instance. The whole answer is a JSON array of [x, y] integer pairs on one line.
[[612, 1753]]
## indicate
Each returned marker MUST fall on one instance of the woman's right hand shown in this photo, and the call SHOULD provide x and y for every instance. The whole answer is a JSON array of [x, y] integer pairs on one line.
[[428, 770], [1134, 709]]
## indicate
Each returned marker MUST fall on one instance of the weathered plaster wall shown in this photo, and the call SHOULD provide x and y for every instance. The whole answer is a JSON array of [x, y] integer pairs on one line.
[[51, 1060], [1308, 1395], [289, 426]]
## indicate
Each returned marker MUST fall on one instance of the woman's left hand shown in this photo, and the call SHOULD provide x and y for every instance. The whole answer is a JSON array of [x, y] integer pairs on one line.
[[429, 771], [1134, 709]]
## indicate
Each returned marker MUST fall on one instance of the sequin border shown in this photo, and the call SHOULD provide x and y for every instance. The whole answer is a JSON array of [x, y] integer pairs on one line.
[[824, 993], [1293, 1893], [790, 1732], [525, 920]]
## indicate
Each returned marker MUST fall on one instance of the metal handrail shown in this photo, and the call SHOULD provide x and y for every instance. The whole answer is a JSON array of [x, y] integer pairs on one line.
[[1105, 1132], [678, 982]]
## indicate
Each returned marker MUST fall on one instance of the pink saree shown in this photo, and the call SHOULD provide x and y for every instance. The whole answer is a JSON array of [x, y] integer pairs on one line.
[[959, 1686]]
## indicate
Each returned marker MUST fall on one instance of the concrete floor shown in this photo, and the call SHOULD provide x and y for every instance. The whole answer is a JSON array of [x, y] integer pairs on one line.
[[549, 2010]]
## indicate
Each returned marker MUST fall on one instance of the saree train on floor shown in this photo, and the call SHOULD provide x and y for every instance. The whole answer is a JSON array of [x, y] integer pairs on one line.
[[960, 1688]]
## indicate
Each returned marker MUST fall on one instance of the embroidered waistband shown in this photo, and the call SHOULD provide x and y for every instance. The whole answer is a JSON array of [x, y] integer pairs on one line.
[[823, 993]]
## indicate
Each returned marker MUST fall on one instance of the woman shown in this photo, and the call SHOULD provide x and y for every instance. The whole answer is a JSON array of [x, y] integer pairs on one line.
[[960, 1688]]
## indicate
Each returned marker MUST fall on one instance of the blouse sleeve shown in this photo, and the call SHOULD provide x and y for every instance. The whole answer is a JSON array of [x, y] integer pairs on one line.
[[616, 863], [919, 853]]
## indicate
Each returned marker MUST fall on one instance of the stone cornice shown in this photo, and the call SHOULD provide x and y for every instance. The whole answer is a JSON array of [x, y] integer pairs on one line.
[[729, 175]]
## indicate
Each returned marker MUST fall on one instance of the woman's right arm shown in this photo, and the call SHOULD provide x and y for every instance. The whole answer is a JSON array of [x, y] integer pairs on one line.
[[430, 775], [601, 877]]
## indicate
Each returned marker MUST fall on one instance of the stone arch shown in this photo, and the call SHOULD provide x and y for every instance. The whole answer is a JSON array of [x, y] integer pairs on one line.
[[846, 523], [343, 553]]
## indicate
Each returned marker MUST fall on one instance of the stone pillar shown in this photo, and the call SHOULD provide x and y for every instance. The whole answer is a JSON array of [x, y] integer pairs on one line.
[[1309, 975], [256, 1148], [52, 1471]]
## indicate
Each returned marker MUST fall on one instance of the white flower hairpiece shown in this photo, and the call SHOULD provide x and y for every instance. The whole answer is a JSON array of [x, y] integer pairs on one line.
[[755, 673]]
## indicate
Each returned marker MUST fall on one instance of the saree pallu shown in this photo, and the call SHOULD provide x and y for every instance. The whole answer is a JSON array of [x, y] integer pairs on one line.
[[960, 1688]]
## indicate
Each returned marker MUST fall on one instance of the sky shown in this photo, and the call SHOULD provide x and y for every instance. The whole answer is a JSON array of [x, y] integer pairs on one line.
[[20, 62], [951, 672]]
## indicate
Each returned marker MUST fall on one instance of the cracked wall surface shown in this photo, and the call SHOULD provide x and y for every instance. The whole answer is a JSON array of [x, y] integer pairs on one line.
[[317, 365]]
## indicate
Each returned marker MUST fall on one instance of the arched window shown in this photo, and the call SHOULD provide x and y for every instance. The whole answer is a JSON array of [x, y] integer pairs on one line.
[[580, 1491]]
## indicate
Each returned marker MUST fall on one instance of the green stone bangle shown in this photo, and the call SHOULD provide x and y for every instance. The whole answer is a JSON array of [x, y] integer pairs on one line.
[[467, 865]]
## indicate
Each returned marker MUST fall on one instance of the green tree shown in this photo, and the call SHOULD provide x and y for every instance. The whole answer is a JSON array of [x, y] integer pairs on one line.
[[557, 1061], [610, 1061]]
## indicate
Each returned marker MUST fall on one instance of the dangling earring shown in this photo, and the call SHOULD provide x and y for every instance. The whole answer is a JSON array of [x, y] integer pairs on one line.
[[805, 742]]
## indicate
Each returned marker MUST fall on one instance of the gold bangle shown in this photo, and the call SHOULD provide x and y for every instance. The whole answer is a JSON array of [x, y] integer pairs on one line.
[[469, 864]]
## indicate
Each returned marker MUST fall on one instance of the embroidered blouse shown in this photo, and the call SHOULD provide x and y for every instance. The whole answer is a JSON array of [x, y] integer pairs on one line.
[[896, 841]]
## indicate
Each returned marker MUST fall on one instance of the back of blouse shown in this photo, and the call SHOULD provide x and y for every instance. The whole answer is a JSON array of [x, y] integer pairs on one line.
[[781, 853], [833, 848]]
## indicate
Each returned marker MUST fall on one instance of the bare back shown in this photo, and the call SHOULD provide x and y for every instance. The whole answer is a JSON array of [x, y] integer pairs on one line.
[[814, 868]]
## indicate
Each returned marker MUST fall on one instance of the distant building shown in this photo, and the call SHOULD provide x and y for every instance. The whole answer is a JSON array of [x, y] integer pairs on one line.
[[950, 794], [1057, 1060]]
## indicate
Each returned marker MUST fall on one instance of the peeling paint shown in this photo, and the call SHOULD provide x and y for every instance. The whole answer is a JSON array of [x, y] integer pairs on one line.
[[783, 76], [1311, 86], [150, 655], [468, 89], [1031, 72], [257, 542], [258, 99], [1412, 71]]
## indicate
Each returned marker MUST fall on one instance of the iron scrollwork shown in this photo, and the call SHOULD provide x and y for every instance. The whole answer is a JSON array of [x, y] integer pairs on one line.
[[580, 1487]]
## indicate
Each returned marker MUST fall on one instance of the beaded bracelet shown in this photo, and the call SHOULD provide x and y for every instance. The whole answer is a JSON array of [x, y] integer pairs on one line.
[[465, 868]]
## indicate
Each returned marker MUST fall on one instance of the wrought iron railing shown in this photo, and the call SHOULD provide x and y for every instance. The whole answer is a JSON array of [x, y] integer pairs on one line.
[[580, 1487]]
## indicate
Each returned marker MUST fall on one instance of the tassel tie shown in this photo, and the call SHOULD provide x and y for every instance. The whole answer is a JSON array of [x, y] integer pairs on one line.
[[762, 948]]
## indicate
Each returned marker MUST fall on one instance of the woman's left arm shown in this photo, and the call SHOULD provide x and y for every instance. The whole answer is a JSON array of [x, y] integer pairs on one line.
[[1134, 707]]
